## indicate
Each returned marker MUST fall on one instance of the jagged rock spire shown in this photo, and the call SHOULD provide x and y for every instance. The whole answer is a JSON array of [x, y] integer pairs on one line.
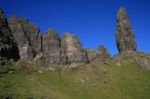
[[125, 37], [8, 48]]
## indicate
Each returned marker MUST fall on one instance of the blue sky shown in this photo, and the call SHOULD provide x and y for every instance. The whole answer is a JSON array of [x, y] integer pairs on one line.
[[93, 21]]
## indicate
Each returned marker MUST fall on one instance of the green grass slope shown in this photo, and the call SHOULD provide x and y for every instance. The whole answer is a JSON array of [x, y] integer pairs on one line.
[[92, 81]]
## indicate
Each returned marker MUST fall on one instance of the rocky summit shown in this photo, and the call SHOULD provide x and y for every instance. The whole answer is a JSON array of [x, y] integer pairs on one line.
[[52, 50], [73, 48], [8, 48], [125, 37], [27, 36]]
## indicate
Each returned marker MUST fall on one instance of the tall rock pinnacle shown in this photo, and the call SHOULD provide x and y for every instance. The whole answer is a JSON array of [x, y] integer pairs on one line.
[[8, 48], [125, 37]]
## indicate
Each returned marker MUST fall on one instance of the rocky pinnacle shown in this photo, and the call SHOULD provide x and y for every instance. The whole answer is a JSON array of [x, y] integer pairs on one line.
[[125, 37]]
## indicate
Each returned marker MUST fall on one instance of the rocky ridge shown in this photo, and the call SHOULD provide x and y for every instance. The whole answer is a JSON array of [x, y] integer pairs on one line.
[[21, 39]]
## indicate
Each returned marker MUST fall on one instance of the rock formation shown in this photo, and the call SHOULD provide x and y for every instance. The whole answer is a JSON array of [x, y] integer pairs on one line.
[[27, 36], [21, 39], [8, 48], [92, 55], [125, 37], [51, 47], [73, 48], [103, 53]]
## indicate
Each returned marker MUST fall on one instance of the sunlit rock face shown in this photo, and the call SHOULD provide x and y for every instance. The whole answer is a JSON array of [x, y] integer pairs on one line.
[[8, 48], [51, 47], [125, 37], [92, 55], [27, 36], [73, 48]]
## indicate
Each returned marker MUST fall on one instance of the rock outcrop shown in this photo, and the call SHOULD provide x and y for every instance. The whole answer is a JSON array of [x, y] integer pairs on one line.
[[73, 48], [8, 48], [27, 36], [91, 54], [51, 47], [125, 37], [103, 53], [141, 59]]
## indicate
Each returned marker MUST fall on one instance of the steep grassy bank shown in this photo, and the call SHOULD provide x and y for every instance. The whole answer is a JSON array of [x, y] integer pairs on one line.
[[91, 81]]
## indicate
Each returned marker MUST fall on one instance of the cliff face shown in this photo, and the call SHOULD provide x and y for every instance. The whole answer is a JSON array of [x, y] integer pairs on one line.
[[125, 37], [27, 36], [51, 48], [8, 48], [73, 48], [64, 51]]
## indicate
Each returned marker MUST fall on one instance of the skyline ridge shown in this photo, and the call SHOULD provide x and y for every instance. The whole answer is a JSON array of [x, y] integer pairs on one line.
[[92, 23]]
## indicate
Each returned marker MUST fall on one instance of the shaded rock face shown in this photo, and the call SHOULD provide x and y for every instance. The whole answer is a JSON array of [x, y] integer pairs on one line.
[[73, 48], [27, 36], [92, 55], [125, 37], [103, 53], [52, 50], [8, 48]]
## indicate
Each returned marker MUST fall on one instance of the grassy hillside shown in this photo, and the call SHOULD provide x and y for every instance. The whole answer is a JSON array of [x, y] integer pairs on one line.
[[92, 81]]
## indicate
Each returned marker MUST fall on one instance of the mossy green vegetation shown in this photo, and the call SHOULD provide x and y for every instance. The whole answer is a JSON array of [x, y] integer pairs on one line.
[[97, 80]]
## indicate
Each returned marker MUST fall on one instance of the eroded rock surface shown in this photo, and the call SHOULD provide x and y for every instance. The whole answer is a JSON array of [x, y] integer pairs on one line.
[[8, 48], [73, 48], [27, 36], [125, 37], [52, 49]]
